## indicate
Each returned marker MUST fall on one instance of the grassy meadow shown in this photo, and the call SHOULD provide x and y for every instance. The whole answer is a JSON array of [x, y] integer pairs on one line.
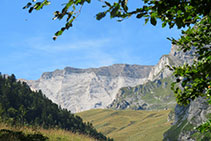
[[129, 125], [52, 134]]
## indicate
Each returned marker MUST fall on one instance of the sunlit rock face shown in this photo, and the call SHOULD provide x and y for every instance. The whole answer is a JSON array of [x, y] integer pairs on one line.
[[175, 57], [156, 92], [83, 89]]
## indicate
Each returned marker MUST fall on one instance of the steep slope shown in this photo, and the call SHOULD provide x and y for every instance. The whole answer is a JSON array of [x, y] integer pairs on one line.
[[175, 57], [153, 95], [84, 89], [129, 125], [156, 93], [188, 117]]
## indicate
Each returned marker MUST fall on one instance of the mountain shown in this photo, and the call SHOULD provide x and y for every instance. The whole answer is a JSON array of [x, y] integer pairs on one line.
[[124, 86], [156, 92], [83, 89]]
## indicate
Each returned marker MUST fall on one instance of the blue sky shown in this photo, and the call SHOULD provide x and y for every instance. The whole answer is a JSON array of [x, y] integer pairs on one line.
[[27, 48]]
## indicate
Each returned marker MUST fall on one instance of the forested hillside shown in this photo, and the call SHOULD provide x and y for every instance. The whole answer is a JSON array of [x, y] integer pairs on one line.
[[19, 105]]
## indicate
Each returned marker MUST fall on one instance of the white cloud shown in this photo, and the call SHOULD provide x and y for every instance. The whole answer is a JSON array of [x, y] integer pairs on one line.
[[40, 44], [78, 53]]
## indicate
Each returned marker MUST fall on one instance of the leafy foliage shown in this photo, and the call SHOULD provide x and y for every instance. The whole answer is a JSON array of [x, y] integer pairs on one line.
[[195, 80], [206, 127], [178, 12], [71, 9], [21, 106]]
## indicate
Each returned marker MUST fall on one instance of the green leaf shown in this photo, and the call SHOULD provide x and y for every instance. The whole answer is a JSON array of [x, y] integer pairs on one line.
[[28, 5], [31, 9], [88, 1], [140, 15], [163, 24], [146, 20], [179, 12], [107, 3], [58, 33], [100, 15], [114, 11], [47, 3], [124, 4], [153, 21]]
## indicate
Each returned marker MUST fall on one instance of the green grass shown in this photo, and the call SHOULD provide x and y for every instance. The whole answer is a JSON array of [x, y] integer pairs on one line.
[[175, 130], [157, 94], [52, 134], [129, 125]]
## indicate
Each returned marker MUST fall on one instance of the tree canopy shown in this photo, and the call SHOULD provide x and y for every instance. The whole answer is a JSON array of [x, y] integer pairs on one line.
[[192, 80]]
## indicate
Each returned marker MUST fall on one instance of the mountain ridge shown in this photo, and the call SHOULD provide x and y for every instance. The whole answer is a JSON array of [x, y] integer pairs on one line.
[[104, 70], [84, 89]]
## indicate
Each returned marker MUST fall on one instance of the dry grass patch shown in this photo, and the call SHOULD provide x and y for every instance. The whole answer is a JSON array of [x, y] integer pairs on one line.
[[128, 125], [52, 134]]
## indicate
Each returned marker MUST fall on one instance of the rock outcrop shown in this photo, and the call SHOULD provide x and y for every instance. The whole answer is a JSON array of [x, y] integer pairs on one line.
[[175, 57], [188, 117]]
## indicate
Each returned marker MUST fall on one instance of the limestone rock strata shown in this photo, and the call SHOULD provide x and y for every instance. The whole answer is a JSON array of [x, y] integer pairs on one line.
[[83, 89]]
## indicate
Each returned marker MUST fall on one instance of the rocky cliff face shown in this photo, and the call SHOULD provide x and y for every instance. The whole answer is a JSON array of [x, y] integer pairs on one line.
[[156, 92], [175, 57], [83, 89], [188, 117]]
